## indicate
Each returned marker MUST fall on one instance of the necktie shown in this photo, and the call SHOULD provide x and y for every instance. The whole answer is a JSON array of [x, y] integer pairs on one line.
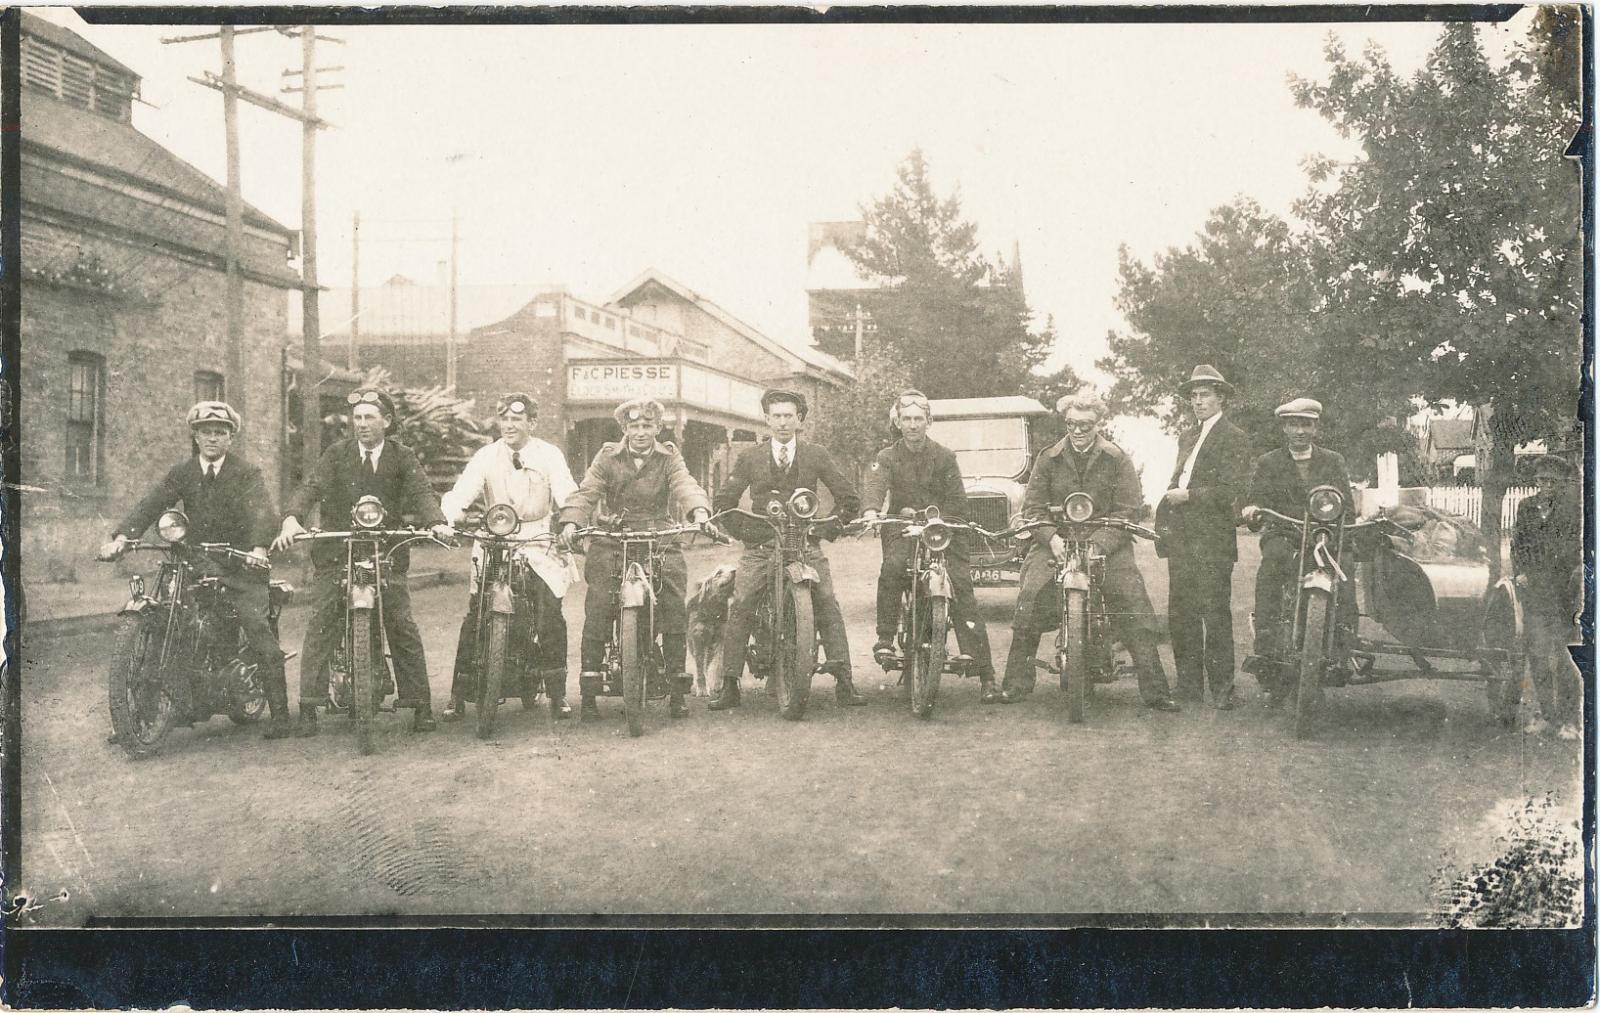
[[372, 465], [211, 475], [516, 461], [783, 457]]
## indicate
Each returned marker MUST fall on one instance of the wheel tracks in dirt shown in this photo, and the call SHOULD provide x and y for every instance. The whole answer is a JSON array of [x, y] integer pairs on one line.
[[390, 844]]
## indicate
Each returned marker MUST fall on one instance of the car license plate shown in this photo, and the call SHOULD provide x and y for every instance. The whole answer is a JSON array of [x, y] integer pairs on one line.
[[993, 575]]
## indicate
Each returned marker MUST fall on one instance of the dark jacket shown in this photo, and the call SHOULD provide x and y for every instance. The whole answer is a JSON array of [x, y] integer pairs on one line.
[[340, 479], [236, 508], [1547, 546], [1106, 473], [660, 492], [1276, 484], [917, 479], [1204, 526], [812, 468]]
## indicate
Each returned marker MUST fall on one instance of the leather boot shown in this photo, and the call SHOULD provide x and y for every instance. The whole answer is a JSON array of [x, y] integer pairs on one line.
[[844, 691], [1153, 685], [727, 696], [988, 692], [676, 706], [307, 725], [277, 690], [589, 711], [555, 687], [1019, 676]]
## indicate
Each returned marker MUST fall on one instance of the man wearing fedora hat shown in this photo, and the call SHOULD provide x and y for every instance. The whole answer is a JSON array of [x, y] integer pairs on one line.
[[1197, 518], [1547, 557], [1280, 482]]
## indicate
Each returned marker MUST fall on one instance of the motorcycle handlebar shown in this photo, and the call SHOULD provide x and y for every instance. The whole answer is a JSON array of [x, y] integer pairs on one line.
[[1255, 523], [221, 549], [914, 528], [1117, 523]]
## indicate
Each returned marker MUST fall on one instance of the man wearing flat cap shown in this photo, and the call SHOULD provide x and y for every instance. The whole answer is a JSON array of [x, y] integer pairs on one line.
[[915, 473], [643, 483], [772, 470], [1281, 481], [226, 500], [1197, 519], [368, 464], [531, 475], [1547, 556]]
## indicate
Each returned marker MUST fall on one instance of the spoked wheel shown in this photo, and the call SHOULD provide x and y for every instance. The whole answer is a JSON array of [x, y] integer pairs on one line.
[[1502, 630], [796, 650], [633, 673], [247, 701], [492, 671], [1074, 657], [1313, 656], [141, 706], [362, 676], [927, 658]]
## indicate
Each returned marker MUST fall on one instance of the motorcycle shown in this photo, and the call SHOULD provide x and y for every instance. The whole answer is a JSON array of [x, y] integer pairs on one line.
[[359, 658], [497, 653], [922, 639], [784, 636], [180, 655], [1083, 640], [632, 667]]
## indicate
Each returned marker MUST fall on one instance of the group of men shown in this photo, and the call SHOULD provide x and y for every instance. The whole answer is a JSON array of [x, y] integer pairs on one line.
[[642, 482]]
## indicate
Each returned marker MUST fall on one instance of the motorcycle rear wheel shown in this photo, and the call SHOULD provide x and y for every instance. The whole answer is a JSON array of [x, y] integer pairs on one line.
[[141, 706], [248, 708], [633, 673], [492, 671]]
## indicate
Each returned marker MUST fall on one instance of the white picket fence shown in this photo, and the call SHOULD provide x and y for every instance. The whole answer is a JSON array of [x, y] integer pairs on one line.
[[1467, 500]]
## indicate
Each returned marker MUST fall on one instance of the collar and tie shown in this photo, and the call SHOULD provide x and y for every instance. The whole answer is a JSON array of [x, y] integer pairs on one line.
[[209, 475], [369, 461], [783, 457], [516, 461]]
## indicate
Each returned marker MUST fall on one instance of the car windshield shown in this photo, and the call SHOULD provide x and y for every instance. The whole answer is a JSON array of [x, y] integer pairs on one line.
[[989, 447]]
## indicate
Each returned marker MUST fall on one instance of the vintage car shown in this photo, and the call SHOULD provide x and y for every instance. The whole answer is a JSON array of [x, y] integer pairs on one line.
[[990, 436]]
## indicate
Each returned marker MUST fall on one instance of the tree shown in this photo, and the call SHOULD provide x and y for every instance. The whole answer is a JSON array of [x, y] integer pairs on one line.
[[853, 422], [959, 321]]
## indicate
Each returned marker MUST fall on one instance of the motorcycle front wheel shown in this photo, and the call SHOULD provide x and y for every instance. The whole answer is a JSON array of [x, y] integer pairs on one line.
[[1074, 658], [1313, 656], [633, 673], [492, 671], [362, 676], [796, 652], [928, 658], [141, 706]]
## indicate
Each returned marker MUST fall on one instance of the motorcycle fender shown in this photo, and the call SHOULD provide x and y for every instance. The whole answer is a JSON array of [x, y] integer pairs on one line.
[[500, 598], [802, 573], [937, 584], [635, 593], [363, 597], [136, 607], [1075, 580], [1320, 580]]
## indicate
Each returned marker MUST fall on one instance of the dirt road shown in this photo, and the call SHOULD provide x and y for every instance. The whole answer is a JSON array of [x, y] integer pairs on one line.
[[995, 809]]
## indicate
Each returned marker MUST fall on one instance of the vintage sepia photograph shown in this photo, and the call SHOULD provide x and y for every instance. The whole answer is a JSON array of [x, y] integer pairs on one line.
[[1083, 471]]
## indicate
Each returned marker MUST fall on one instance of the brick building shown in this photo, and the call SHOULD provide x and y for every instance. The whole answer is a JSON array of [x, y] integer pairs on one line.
[[123, 312]]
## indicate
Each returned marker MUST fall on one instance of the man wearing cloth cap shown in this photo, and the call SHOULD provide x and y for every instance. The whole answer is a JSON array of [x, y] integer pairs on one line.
[[1547, 555], [226, 500], [1281, 481], [643, 484], [915, 473], [366, 465], [1196, 518], [772, 470], [531, 475], [1085, 461]]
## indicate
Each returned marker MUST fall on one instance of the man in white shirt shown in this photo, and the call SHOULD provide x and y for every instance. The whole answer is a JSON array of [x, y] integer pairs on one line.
[[531, 475]]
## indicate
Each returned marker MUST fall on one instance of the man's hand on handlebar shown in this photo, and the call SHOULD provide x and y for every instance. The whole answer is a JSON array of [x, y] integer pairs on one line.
[[1058, 547], [287, 533], [444, 534], [568, 538], [113, 550]]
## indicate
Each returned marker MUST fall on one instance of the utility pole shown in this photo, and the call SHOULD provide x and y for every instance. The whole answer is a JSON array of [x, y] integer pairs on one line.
[[450, 339], [355, 293], [861, 328]]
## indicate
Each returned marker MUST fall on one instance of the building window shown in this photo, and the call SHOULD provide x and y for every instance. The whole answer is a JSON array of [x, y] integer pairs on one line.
[[611, 322], [209, 386], [85, 425], [578, 312]]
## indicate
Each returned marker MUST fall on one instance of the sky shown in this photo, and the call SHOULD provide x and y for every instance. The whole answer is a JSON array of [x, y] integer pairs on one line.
[[582, 155]]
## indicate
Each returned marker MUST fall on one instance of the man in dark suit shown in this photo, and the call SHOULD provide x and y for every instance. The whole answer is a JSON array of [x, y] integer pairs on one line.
[[226, 500], [1196, 519], [1547, 555], [772, 470], [1281, 481], [367, 465]]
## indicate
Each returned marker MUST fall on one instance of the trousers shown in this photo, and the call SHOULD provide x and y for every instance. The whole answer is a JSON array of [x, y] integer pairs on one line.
[[325, 628], [1200, 622], [894, 579], [752, 581]]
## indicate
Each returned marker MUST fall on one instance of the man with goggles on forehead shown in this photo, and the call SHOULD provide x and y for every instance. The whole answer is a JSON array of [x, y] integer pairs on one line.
[[366, 465], [1085, 461], [532, 476], [226, 500], [913, 474], [644, 484]]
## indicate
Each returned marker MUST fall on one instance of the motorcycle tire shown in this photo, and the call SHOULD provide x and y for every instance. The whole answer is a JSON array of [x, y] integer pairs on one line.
[[633, 670], [249, 707], [141, 707], [928, 658], [1313, 656], [363, 676], [1074, 658], [796, 653], [492, 671]]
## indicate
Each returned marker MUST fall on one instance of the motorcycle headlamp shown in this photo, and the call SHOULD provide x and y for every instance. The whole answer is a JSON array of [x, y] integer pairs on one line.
[[803, 504], [368, 512], [932, 513], [1078, 507], [501, 519], [774, 509], [936, 534], [1325, 503], [173, 526]]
